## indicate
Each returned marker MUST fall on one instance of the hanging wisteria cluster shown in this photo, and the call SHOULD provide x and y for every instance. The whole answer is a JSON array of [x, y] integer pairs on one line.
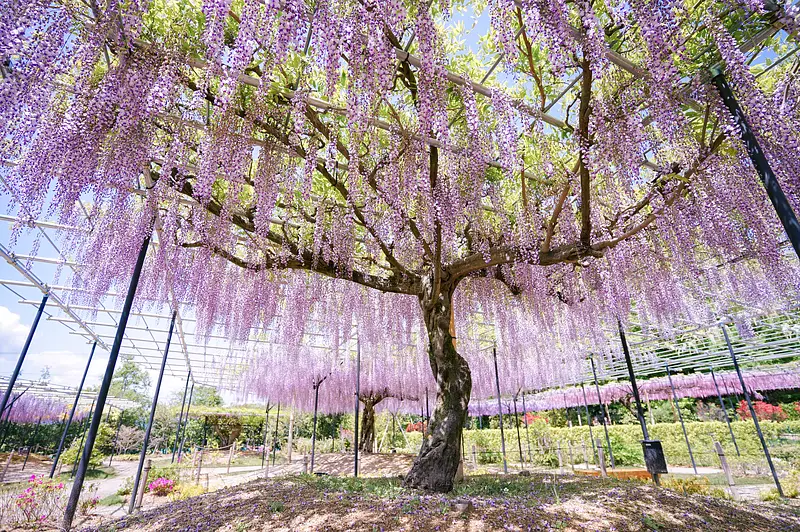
[[33, 409], [695, 385], [315, 172]]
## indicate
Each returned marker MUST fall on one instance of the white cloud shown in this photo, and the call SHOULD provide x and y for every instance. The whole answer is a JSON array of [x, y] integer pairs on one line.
[[12, 331], [66, 367]]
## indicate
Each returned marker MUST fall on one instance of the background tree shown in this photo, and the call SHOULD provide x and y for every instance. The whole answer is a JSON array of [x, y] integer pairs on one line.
[[366, 437], [129, 439], [206, 396], [131, 382]]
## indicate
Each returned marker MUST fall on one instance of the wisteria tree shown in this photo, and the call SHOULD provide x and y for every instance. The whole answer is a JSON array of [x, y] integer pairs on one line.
[[331, 138], [366, 437]]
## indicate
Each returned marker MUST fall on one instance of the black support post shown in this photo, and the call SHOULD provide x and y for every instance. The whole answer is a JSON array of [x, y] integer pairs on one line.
[[519, 439], [180, 417], [358, 405], [527, 433], [83, 437], [314, 427], [31, 443], [116, 436], [635, 388], [500, 411], [14, 374], [275, 437], [71, 413], [77, 486], [752, 412], [143, 452], [185, 423], [589, 422], [602, 416], [782, 207], [725, 412], [266, 435], [680, 417]]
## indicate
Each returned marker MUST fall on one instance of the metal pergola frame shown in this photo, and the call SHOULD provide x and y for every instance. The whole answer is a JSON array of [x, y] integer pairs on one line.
[[48, 390], [205, 372]]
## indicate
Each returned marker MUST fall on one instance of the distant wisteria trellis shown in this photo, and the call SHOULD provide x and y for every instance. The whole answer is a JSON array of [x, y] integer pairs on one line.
[[32, 409], [294, 196], [695, 385]]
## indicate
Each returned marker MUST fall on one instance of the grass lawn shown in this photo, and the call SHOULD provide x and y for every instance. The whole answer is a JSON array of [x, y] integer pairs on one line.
[[91, 474]]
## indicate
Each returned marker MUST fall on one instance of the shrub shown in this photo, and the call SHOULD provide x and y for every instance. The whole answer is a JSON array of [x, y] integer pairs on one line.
[[36, 504], [184, 491], [791, 485], [126, 488], [688, 486], [625, 453], [764, 411], [161, 486], [69, 456], [416, 427], [170, 472], [695, 486], [89, 500]]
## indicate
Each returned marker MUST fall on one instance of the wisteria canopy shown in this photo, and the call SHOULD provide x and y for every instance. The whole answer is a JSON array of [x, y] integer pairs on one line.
[[319, 167], [32, 409], [697, 385]]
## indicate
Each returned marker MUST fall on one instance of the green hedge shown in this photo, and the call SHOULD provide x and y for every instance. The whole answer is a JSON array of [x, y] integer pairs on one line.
[[625, 442]]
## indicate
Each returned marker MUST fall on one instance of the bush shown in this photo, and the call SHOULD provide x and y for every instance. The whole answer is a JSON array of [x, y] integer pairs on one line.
[[42, 500], [161, 486], [69, 456], [89, 500], [695, 486], [791, 485], [764, 411], [625, 453], [184, 491], [169, 472], [626, 443], [688, 486], [126, 488]]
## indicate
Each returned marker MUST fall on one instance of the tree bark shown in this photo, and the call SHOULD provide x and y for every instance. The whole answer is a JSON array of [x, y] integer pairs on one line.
[[435, 467], [366, 439]]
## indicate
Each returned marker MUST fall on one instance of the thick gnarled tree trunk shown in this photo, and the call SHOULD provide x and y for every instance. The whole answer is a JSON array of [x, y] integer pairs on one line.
[[366, 439], [436, 466]]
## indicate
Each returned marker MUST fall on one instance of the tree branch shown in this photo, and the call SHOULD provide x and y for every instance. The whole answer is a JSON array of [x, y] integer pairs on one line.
[[551, 226], [584, 146], [305, 261], [668, 200], [437, 227]]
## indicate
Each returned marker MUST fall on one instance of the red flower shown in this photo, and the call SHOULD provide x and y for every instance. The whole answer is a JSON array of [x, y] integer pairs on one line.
[[763, 410]]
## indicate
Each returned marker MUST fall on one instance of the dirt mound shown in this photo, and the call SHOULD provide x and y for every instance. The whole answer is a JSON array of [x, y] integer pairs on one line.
[[489, 502]]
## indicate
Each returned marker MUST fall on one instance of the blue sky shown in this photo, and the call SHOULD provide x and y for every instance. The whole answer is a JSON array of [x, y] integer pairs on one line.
[[53, 346]]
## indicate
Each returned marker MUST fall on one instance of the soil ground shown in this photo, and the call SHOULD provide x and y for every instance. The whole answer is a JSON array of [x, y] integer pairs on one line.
[[485, 502], [243, 500]]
